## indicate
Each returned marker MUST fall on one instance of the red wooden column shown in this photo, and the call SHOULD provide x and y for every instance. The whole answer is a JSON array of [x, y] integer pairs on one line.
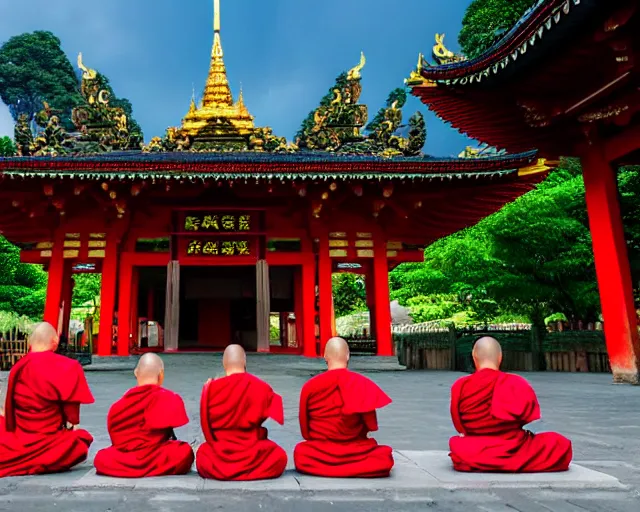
[[125, 288], [67, 297], [55, 282], [108, 295], [612, 267], [325, 290], [382, 315], [371, 302], [308, 290]]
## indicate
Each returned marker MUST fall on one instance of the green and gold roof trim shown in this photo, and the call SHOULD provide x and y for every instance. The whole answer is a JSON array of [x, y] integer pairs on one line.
[[455, 70]]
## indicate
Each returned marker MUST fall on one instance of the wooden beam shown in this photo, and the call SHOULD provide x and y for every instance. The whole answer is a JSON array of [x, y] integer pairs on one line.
[[622, 144]]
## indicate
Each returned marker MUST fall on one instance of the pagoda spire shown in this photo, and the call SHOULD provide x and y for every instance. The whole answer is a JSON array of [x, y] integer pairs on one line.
[[217, 91]]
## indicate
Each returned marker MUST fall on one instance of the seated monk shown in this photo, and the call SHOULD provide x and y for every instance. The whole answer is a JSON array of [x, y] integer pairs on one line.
[[141, 427], [489, 409], [232, 411], [42, 410], [337, 411]]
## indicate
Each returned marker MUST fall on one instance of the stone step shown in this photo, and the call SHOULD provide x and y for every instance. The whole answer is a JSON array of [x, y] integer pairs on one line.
[[414, 471]]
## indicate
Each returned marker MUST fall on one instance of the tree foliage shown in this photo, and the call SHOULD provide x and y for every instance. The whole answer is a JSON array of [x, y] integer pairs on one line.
[[7, 148], [349, 293], [531, 259], [33, 69], [486, 20]]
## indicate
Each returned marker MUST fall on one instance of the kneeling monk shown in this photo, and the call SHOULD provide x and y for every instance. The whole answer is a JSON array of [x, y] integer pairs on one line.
[[337, 411], [232, 411], [42, 410], [489, 409], [141, 427]]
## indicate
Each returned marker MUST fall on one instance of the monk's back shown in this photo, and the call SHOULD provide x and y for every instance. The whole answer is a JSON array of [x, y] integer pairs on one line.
[[476, 401], [237, 447], [40, 391], [325, 407], [127, 419]]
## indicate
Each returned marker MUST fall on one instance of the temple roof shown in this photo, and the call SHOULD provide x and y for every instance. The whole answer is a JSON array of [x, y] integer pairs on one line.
[[565, 67], [292, 166]]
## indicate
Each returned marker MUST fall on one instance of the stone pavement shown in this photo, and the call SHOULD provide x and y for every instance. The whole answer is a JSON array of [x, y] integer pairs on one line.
[[601, 418]]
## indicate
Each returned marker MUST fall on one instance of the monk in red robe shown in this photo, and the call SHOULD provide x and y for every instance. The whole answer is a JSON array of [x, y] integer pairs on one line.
[[337, 411], [489, 409], [232, 411], [42, 410], [141, 427]]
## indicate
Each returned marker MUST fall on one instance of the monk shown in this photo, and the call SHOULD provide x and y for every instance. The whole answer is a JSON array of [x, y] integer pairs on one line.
[[489, 409], [141, 427], [337, 411], [42, 410], [232, 411]]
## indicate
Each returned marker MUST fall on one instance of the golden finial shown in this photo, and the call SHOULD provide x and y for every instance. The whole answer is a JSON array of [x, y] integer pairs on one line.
[[216, 15], [354, 73], [87, 74]]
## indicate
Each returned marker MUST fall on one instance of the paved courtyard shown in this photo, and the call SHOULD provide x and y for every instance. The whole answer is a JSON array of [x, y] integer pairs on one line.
[[601, 418]]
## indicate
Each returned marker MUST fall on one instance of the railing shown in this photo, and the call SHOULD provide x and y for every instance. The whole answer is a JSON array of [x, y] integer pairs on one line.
[[438, 347], [11, 352]]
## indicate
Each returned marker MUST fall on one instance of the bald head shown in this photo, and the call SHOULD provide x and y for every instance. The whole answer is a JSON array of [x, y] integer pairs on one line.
[[43, 338], [150, 370], [336, 353], [487, 353], [234, 360]]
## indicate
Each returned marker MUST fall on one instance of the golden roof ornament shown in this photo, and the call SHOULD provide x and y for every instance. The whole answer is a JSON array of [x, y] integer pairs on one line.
[[218, 118], [442, 54], [354, 73], [87, 74]]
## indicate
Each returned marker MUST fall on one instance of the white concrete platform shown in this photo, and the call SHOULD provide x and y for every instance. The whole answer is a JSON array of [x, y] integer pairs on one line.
[[413, 471]]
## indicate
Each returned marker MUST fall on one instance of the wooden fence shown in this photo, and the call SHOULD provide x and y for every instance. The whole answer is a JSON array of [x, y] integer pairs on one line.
[[433, 347]]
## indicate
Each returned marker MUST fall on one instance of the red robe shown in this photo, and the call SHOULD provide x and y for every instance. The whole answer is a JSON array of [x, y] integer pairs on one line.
[[44, 393], [337, 411], [232, 411], [490, 409], [141, 427]]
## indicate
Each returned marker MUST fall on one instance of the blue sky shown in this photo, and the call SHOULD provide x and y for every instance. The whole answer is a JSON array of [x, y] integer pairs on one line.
[[285, 53]]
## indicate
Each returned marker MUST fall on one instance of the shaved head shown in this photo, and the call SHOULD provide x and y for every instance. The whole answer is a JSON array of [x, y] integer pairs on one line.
[[234, 360], [43, 338], [336, 353], [150, 370], [487, 353]]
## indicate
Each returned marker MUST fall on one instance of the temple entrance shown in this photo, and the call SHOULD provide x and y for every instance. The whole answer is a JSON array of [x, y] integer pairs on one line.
[[217, 308]]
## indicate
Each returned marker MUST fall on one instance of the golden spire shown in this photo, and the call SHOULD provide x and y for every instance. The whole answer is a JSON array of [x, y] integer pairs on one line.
[[217, 91]]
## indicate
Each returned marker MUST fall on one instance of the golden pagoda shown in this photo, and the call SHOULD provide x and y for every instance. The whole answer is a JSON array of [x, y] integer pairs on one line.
[[218, 119]]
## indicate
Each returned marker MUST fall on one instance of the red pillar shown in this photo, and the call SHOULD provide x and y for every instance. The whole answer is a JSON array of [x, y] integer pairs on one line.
[[308, 290], [125, 288], [325, 289], [55, 283], [382, 315], [108, 295], [135, 293], [371, 302], [612, 267], [67, 297]]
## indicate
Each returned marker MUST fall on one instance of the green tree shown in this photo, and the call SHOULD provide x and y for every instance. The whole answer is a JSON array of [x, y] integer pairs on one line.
[[33, 69], [22, 286], [86, 289], [486, 20], [349, 293], [7, 148]]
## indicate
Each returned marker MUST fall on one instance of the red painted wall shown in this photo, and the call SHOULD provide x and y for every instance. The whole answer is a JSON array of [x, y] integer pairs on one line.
[[214, 324]]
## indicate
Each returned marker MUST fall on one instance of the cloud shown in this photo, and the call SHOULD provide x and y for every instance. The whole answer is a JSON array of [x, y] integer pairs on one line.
[[6, 121]]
